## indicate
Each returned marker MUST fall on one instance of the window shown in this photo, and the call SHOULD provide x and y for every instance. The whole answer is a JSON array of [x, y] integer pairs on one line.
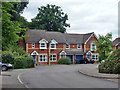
[[52, 46], [118, 47], [61, 56], [67, 46], [43, 58], [33, 45], [93, 47], [88, 55], [53, 58], [95, 57], [79, 45], [43, 46]]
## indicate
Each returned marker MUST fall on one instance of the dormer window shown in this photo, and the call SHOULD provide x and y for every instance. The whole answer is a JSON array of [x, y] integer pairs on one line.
[[92, 47], [43, 44], [33, 45], [53, 44], [67, 46], [79, 46]]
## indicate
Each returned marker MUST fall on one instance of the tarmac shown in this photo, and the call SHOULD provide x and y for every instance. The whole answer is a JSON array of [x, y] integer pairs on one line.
[[92, 71]]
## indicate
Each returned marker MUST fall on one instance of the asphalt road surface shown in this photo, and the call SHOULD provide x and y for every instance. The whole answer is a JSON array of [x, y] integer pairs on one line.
[[62, 76]]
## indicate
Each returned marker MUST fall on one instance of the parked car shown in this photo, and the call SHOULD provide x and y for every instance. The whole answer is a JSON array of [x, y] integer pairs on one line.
[[6, 66], [86, 60]]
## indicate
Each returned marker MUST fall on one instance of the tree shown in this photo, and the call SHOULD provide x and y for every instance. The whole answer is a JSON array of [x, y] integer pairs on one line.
[[11, 28], [50, 18], [104, 45]]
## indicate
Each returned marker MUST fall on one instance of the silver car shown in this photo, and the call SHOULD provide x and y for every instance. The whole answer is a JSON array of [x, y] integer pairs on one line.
[[6, 66]]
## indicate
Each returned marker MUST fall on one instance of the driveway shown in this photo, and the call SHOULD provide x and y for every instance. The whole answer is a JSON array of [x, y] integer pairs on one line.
[[63, 76]]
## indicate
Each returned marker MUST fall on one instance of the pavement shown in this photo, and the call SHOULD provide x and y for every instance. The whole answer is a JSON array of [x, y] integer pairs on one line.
[[92, 71]]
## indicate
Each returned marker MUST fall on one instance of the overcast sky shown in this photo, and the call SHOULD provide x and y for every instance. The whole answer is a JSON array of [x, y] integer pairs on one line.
[[99, 16]]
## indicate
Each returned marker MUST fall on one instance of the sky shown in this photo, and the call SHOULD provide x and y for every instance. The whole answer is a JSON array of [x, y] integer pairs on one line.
[[84, 16]]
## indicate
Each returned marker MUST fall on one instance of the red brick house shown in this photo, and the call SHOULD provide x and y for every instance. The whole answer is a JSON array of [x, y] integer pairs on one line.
[[116, 44], [47, 47]]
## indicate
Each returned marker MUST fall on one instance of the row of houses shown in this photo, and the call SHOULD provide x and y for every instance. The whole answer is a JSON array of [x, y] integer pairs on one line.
[[47, 47]]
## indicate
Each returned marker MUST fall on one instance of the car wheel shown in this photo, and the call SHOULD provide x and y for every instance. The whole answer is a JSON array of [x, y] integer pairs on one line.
[[4, 68], [85, 62]]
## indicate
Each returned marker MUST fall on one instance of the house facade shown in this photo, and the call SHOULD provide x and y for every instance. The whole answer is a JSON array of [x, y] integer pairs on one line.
[[47, 47], [116, 44]]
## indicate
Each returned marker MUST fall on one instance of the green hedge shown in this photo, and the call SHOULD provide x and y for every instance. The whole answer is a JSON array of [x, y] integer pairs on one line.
[[23, 62], [64, 60], [111, 64], [7, 57]]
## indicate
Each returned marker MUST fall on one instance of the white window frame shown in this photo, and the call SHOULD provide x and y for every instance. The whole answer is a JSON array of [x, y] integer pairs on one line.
[[91, 47], [68, 46], [43, 58], [53, 42], [51, 46], [45, 46], [95, 57], [51, 58], [33, 45], [43, 41], [79, 46]]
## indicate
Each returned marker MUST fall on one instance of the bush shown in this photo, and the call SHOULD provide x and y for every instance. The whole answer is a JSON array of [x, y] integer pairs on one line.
[[111, 64], [64, 60], [23, 62], [7, 57], [20, 62], [30, 61]]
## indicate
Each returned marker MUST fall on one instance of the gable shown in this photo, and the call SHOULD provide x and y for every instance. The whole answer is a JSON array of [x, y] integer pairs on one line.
[[43, 41], [91, 38]]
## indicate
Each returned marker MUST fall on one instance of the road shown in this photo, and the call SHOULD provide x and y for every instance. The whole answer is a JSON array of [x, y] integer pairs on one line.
[[62, 76]]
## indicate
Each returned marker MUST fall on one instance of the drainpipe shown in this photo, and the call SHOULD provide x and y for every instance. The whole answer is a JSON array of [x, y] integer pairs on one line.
[[49, 52]]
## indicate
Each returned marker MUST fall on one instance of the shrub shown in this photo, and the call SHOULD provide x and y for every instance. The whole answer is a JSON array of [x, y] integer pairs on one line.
[[111, 64], [7, 57], [30, 61], [23, 62], [64, 60]]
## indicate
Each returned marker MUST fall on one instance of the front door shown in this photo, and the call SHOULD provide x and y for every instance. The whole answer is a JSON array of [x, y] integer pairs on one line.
[[34, 56], [71, 58]]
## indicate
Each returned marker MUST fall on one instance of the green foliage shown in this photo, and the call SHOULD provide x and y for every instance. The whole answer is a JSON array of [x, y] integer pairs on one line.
[[64, 60], [19, 62], [17, 51], [111, 64], [50, 18], [104, 45], [13, 26], [7, 57], [23, 62]]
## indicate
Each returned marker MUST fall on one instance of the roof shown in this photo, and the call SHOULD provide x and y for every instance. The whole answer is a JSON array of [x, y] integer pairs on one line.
[[116, 41], [74, 51], [37, 35]]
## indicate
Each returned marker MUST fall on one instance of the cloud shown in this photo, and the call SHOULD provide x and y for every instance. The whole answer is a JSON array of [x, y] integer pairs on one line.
[[99, 16]]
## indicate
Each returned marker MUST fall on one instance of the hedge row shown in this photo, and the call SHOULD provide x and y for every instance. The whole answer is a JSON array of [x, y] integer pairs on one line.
[[111, 64], [19, 61], [23, 62]]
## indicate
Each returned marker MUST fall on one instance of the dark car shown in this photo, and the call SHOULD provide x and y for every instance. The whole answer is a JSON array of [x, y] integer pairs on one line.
[[6, 66], [86, 60]]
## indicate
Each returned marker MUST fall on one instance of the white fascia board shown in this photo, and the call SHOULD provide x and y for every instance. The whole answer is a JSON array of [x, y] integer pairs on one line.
[[43, 41], [90, 37], [34, 53]]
